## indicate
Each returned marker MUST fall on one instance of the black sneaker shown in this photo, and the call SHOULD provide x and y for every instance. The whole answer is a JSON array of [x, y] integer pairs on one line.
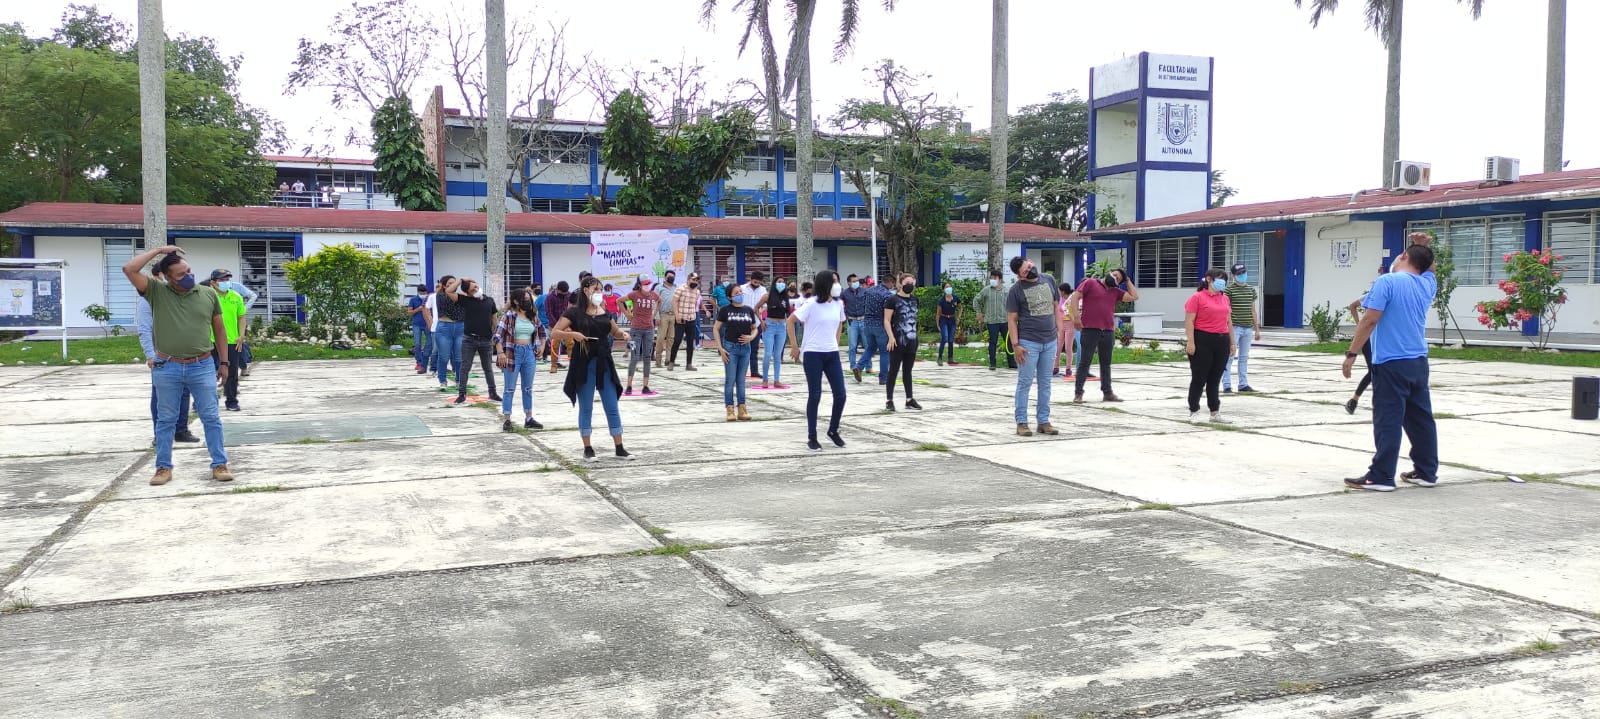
[[812, 445], [507, 426], [231, 406], [494, 397], [460, 399], [531, 423], [889, 406], [912, 404], [1247, 389], [588, 454], [628, 392], [1350, 407], [1419, 480], [623, 455], [857, 374], [1368, 484], [1228, 390], [647, 391], [185, 437], [837, 440]]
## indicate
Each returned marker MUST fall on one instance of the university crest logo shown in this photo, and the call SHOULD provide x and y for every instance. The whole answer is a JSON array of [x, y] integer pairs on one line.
[[1177, 122]]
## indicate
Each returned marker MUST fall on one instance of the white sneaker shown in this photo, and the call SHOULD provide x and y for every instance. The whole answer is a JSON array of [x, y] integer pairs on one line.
[[1194, 416], [1217, 418]]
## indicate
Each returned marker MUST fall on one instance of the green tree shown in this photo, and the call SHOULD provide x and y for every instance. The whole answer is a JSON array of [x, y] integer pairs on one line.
[[1221, 192], [1384, 17], [1444, 276], [668, 171], [1049, 162], [343, 285], [401, 165]]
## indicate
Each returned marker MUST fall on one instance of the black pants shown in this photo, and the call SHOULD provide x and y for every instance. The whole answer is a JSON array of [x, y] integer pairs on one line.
[[687, 335], [995, 332], [483, 347], [900, 360], [230, 387], [755, 356], [1100, 342], [1206, 365], [1366, 379], [818, 365]]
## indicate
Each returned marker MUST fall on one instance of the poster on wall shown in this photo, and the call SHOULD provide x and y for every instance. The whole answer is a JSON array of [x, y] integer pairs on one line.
[[619, 257], [1177, 130], [30, 294], [970, 260]]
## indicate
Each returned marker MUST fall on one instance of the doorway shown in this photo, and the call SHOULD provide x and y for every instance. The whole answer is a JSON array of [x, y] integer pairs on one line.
[[1274, 266]]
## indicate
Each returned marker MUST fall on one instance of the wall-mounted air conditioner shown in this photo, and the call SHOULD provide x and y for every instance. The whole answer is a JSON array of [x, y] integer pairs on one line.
[[1502, 169], [1413, 176]]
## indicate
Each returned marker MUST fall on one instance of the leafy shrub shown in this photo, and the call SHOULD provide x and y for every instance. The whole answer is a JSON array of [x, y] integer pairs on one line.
[[1324, 321], [285, 326], [393, 325], [343, 285], [101, 315], [1533, 293]]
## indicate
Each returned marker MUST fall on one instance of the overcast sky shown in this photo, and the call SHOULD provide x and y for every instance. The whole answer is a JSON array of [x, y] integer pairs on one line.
[[1298, 112]]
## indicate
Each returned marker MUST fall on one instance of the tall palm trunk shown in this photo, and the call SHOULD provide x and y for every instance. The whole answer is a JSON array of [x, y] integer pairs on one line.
[[1555, 85], [999, 134], [804, 136], [494, 68], [153, 121], [1391, 102]]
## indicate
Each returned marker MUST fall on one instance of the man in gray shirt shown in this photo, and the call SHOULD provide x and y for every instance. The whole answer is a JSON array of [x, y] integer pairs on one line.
[[1033, 314], [666, 322]]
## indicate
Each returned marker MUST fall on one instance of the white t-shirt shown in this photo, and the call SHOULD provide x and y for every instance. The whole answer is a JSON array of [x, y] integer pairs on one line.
[[754, 296], [433, 311], [822, 320]]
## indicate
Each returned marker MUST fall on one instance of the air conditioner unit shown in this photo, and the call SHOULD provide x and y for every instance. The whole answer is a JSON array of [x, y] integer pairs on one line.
[[1414, 176], [1502, 169]]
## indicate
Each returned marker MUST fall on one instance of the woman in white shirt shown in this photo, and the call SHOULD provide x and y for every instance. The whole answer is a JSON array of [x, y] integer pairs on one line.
[[818, 353]]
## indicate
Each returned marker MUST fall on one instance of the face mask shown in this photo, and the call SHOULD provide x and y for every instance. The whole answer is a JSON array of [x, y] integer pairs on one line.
[[1242, 277], [186, 282], [694, 285], [1219, 285], [994, 283], [736, 299], [782, 286], [949, 291], [645, 286], [855, 285], [837, 290], [597, 299], [908, 287], [671, 279], [1033, 274], [224, 286]]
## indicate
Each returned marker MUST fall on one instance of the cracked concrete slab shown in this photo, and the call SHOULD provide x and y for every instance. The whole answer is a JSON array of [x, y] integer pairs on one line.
[[21, 529], [14, 413], [757, 501], [1493, 448], [1535, 540], [1113, 613], [691, 443], [1559, 420], [997, 425], [635, 637], [59, 480], [1248, 411], [195, 544]]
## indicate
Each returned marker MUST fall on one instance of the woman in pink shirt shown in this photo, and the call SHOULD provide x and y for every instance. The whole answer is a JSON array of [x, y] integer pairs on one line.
[[1210, 342]]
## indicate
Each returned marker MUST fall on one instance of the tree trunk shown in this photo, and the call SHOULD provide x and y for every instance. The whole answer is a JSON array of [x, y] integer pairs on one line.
[[804, 145], [1555, 85], [1391, 102], [494, 69], [153, 121], [999, 135]]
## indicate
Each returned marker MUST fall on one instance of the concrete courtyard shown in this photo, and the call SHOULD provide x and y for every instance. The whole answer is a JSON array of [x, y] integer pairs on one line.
[[382, 554]]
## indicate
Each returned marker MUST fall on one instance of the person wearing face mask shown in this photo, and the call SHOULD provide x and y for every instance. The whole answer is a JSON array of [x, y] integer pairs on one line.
[[588, 326], [734, 332], [233, 318], [819, 354], [666, 319], [555, 306], [755, 297], [949, 312], [189, 335], [417, 308], [719, 293], [643, 305], [1031, 321], [854, 315], [1066, 339], [686, 304], [1092, 308], [448, 338], [900, 323], [1210, 343], [991, 306], [1246, 326], [774, 333], [874, 299], [477, 332], [516, 342]]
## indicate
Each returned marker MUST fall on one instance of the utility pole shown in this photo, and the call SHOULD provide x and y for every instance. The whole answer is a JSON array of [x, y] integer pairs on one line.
[[1555, 86], [494, 69], [999, 130], [153, 121]]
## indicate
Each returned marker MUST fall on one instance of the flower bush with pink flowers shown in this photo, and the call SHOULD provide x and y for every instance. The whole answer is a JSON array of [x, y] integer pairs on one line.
[[1533, 292]]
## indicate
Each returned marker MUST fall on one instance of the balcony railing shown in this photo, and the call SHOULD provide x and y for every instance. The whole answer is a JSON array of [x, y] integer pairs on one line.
[[336, 200]]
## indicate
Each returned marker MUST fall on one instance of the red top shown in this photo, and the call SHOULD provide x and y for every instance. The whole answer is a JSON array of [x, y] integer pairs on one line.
[[1211, 310], [611, 303], [645, 303], [1099, 304]]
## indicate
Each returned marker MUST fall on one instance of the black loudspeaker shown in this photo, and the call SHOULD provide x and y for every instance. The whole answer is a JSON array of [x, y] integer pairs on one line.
[[1586, 397]]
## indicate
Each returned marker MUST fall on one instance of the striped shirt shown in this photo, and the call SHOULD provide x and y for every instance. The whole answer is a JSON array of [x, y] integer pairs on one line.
[[1242, 297], [686, 304]]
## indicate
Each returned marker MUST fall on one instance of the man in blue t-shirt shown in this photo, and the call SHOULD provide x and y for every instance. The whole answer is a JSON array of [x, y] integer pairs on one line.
[[416, 307], [1395, 318]]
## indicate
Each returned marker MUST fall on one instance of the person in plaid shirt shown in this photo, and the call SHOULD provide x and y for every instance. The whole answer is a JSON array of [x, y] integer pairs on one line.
[[516, 340], [686, 307]]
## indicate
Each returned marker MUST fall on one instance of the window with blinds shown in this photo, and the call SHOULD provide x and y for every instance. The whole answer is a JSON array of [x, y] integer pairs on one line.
[[519, 265], [711, 263], [1478, 245], [261, 269], [121, 298], [1245, 249], [774, 261], [1166, 263], [1573, 235]]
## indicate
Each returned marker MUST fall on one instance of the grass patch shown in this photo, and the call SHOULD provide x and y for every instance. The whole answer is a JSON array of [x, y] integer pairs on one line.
[[1538, 646], [1157, 506], [657, 531], [932, 447], [673, 550], [125, 350], [898, 708], [1358, 555], [486, 405], [252, 490], [1225, 427], [1564, 358], [547, 468], [310, 440], [18, 602], [1444, 415], [1107, 408], [1299, 687]]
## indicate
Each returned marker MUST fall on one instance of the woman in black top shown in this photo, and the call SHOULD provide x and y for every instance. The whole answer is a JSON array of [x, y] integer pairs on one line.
[[776, 333], [733, 332], [949, 311], [447, 335], [555, 306], [477, 323], [900, 323], [588, 326]]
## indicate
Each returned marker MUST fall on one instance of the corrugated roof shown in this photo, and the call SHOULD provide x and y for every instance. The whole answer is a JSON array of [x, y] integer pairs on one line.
[[45, 215], [317, 160], [1571, 184]]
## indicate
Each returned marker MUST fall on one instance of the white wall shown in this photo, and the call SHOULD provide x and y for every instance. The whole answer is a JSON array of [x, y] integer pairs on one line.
[[564, 262], [1169, 192], [1116, 135], [209, 253], [1166, 301], [1581, 313], [1117, 192], [1326, 281], [84, 276], [1114, 77], [462, 259], [854, 259]]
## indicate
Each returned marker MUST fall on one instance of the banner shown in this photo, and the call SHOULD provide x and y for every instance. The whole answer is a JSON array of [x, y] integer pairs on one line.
[[970, 260], [619, 257]]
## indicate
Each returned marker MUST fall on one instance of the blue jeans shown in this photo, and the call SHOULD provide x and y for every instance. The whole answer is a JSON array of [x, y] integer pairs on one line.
[[608, 399], [1031, 370], [199, 379], [816, 366], [524, 365], [1400, 401], [183, 409], [947, 337], [854, 336], [733, 372], [1242, 336], [447, 347], [877, 345], [777, 336], [419, 343]]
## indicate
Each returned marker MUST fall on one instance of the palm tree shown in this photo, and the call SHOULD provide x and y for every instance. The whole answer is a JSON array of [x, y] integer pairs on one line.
[[1383, 17], [794, 78], [1555, 85]]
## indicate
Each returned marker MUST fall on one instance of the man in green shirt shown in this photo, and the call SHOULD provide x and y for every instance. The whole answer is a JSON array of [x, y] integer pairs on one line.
[[991, 306], [188, 330], [1246, 321], [233, 311]]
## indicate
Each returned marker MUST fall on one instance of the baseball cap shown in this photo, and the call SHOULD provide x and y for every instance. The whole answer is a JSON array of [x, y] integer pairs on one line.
[[1239, 269], [220, 275]]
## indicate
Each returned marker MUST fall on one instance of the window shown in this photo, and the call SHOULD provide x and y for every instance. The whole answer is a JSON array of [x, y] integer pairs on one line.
[[120, 295], [343, 181], [750, 209], [519, 265], [1479, 245], [822, 212], [261, 269], [754, 163], [970, 213], [711, 263], [855, 212], [545, 204], [578, 155], [1168, 263], [1573, 236], [774, 261], [791, 211], [1228, 250], [819, 167]]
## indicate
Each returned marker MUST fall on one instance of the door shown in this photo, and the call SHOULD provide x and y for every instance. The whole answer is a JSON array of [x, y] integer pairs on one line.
[[1274, 290]]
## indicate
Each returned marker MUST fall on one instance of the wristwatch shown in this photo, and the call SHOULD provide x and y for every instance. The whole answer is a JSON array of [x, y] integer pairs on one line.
[[1351, 355]]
